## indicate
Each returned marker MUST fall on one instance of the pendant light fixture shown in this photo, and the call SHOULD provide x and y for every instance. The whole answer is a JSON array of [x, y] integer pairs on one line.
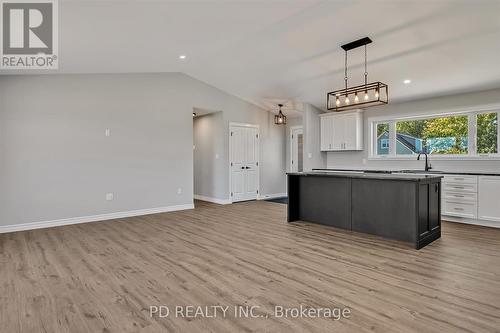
[[280, 118], [365, 95]]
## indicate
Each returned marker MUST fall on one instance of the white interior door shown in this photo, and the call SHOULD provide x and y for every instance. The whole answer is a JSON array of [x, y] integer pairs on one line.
[[244, 142], [297, 142]]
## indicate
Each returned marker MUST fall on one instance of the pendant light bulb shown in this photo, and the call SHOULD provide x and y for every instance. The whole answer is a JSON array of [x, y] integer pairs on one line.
[[347, 100], [366, 95], [376, 94], [337, 101], [356, 98]]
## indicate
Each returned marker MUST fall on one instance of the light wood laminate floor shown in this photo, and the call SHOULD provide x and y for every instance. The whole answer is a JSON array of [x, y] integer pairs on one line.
[[104, 276]]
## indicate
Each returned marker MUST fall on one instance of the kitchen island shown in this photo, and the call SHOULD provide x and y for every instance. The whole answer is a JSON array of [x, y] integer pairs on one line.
[[404, 207]]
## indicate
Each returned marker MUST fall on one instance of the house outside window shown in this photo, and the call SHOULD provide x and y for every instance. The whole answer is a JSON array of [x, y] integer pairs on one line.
[[384, 143]]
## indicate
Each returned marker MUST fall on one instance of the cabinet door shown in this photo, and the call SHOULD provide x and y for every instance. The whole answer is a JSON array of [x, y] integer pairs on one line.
[[434, 206], [326, 133], [338, 132], [488, 199], [351, 131]]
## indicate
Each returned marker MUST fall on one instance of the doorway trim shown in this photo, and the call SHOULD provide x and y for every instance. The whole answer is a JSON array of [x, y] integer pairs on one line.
[[256, 126], [292, 128]]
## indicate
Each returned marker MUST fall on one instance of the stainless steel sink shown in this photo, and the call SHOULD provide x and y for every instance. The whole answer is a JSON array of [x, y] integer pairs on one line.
[[418, 171], [377, 171]]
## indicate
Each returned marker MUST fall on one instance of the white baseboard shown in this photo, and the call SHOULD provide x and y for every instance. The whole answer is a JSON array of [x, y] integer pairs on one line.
[[271, 196], [91, 218], [214, 200], [465, 220]]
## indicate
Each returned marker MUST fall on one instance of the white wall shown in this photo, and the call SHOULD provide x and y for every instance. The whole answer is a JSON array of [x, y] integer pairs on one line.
[[420, 107], [56, 162]]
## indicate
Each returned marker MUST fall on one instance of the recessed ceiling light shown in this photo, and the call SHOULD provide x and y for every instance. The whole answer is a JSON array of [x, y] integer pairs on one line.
[[182, 57], [407, 81]]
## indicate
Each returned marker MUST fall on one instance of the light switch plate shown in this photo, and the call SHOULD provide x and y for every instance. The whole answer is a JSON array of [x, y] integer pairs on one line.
[[109, 196], [107, 132]]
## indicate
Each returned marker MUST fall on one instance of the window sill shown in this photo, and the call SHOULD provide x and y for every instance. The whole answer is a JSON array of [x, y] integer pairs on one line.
[[436, 157]]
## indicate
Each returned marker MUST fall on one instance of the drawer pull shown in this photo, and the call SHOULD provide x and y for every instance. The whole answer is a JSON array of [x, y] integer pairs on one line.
[[458, 196], [460, 187], [459, 178], [458, 208]]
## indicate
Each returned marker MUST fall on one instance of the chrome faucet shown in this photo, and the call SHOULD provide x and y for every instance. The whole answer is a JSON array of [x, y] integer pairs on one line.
[[427, 164]]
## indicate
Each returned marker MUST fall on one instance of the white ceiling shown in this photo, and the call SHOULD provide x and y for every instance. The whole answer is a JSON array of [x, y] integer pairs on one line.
[[289, 50]]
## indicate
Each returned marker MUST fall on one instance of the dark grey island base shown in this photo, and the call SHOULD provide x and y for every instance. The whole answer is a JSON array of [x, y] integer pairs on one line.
[[402, 207]]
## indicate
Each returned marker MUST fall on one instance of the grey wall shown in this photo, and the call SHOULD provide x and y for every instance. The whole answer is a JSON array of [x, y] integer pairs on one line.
[[313, 156], [57, 163], [421, 107], [290, 122], [272, 154], [209, 166]]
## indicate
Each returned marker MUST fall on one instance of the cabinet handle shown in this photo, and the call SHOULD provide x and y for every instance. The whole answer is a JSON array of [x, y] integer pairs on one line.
[[458, 196], [458, 208], [460, 187], [459, 178]]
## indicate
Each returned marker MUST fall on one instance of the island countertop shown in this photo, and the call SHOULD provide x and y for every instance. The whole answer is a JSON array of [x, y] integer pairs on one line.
[[354, 174]]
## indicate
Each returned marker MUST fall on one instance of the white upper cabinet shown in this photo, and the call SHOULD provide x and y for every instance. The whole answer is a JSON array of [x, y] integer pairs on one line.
[[326, 133], [342, 131]]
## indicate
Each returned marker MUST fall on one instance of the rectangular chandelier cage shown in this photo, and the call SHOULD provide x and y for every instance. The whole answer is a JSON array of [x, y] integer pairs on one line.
[[371, 94], [365, 95]]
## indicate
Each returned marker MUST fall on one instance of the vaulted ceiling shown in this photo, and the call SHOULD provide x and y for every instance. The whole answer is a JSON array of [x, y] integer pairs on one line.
[[289, 50]]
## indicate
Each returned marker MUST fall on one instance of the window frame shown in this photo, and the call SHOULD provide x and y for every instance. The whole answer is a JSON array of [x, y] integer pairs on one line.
[[471, 113]]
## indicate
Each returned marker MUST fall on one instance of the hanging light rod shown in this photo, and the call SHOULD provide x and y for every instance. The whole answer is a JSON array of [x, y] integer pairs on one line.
[[366, 95]]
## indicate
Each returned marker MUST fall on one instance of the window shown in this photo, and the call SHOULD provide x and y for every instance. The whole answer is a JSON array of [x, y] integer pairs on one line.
[[487, 133], [383, 139], [446, 135], [469, 134]]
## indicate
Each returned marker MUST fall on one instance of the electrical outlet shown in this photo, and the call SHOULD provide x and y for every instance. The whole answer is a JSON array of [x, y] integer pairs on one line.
[[364, 161], [109, 196], [179, 190], [107, 132], [310, 155]]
